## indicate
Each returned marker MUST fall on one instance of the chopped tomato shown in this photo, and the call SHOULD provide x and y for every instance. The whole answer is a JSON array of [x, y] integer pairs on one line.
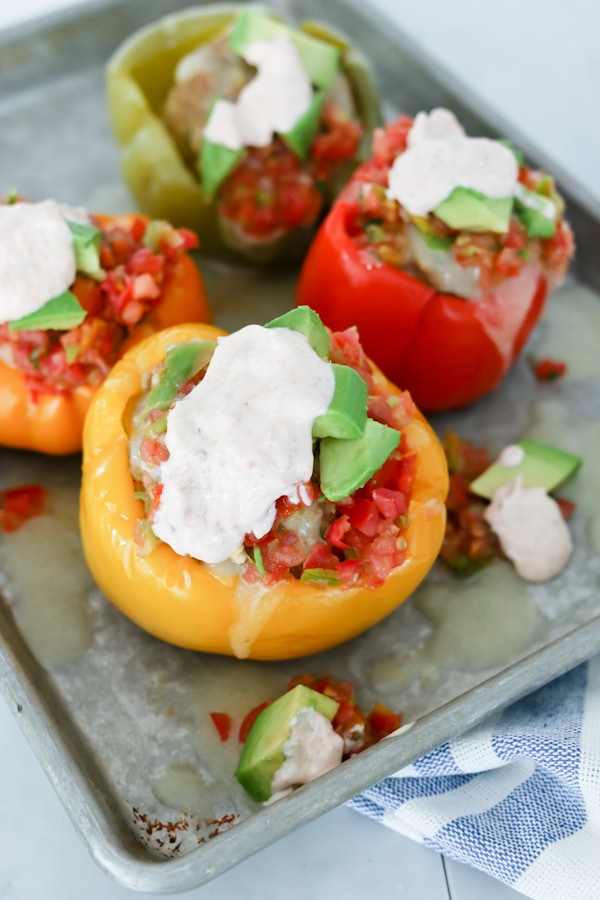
[[222, 723], [250, 719], [21, 504], [337, 530], [364, 516], [153, 451], [549, 369], [383, 721], [567, 507]]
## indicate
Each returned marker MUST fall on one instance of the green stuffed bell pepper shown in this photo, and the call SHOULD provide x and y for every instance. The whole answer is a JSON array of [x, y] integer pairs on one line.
[[239, 126]]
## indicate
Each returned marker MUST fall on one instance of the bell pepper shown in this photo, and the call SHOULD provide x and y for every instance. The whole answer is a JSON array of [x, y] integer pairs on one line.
[[446, 350], [52, 422], [179, 599], [139, 77]]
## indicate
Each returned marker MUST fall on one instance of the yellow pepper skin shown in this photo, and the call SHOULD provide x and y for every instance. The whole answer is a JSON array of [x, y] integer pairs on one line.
[[53, 423], [138, 78], [177, 598]]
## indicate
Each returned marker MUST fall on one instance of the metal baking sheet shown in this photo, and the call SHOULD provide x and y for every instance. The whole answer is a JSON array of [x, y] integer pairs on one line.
[[119, 720]]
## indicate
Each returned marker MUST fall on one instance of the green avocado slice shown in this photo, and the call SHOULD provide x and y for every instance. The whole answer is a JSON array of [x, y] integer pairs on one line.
[[468, 209], [182, 362], [542, 466], [216, 163], [300, 138], [307, 322], [346, 465], [321, 60], [263, 753], [59, 314], [347, 413], [87, 241], [537, 213]]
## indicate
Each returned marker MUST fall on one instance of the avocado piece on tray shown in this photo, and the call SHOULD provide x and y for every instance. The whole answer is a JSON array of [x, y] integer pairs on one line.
[[263, 752]]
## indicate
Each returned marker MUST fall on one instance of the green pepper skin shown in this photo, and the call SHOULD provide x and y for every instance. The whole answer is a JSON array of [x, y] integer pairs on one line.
[[138, 77]]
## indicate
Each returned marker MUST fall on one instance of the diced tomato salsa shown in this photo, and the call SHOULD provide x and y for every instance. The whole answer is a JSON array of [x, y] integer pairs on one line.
[[358, 729], [381, 226], [549, 369], [272, 190], [361, 538], [469, 542], [135, 262]]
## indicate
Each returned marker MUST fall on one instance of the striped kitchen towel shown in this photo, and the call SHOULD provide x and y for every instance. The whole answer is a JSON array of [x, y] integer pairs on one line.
[[518, 796]]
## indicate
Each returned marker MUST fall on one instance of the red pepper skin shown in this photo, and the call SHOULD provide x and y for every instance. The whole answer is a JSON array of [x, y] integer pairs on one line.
[[432, 344]]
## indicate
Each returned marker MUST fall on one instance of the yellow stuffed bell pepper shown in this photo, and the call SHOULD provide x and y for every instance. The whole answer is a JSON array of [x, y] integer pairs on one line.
[[324, 571], [49, 372], [254, 191]]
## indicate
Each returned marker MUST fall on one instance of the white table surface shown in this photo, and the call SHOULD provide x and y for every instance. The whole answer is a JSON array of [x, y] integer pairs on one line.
[[538, 63]]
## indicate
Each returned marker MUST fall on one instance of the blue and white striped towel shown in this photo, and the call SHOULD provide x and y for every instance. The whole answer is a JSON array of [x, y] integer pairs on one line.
[[518, 796]]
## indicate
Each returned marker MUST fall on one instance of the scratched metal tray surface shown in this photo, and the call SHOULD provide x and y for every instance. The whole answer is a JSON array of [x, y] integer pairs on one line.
[[119, 720]]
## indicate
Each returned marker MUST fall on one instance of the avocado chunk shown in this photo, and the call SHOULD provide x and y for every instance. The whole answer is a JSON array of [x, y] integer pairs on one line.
[[87, 241], [320, 59], [346, 465], [347, 413], [537, 213], [300, 138], [469, 209], [541, 466], [307, 322], [59, 314], [263, 752], [182, 362], [216, 163]]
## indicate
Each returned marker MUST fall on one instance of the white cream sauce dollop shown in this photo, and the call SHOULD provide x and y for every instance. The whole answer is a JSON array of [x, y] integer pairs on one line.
[[531, 530], [511, 456], [37, 257], [240, 440], [272, 102], [312, 749], [441, 157]]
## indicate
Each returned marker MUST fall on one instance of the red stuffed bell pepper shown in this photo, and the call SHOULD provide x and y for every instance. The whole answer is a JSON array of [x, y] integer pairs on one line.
[[78, 290], [445, 284]]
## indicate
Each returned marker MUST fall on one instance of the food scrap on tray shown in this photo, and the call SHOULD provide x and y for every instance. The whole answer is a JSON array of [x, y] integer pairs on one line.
[[311, 729], [18, 505], [266, 493], [504, 508], [240, 126], [78, 289], [442, 250]]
